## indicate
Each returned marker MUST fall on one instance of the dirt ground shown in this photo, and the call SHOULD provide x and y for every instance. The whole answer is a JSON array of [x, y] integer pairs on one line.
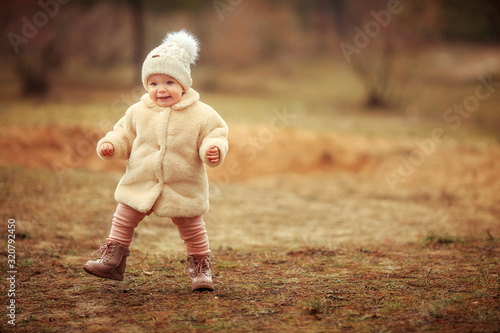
[[311, 231], [332, 250], [307, 186]]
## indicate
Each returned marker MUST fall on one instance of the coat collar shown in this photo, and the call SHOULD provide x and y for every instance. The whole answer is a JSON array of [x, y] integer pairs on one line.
[[187, 99]]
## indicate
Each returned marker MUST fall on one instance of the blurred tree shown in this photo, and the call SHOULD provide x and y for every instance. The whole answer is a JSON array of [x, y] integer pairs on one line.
[[369, 34], [33, 42], [35, 67], [42, 36], [138, 38], [370, 56], [366, 43]]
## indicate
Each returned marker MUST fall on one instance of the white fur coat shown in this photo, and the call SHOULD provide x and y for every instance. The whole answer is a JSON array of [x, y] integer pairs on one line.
[[166, 151]]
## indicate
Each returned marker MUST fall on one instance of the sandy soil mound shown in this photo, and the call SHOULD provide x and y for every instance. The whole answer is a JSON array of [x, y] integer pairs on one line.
[[261, 151], [254, 151], [53, 147]]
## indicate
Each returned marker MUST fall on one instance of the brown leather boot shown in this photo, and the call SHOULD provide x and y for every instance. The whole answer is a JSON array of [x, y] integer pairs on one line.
[[200, 273], [112, 263]]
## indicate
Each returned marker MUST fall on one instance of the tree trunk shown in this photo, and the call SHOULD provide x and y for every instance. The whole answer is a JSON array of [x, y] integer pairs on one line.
[[138, 36]]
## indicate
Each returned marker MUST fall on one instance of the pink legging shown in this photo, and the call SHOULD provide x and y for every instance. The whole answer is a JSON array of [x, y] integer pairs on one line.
[[191, 229]]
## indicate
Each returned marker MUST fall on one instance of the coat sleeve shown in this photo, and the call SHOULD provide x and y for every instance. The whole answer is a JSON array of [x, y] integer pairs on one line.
[[121, 137], [214, 134]]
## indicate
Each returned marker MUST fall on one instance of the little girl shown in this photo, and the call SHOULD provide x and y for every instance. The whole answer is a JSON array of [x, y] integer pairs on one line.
[[167, 138]]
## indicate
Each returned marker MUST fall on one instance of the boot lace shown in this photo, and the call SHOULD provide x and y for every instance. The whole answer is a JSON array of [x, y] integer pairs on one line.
[[202, 266], [105, 250]]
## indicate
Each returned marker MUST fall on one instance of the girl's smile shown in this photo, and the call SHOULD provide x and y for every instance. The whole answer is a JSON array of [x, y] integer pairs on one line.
[[164, 90]]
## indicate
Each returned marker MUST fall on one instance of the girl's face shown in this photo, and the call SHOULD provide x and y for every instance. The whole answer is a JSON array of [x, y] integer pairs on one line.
[[164, 90]]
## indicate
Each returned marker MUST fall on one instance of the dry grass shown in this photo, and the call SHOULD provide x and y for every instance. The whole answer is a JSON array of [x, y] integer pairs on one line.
[[283, 274]]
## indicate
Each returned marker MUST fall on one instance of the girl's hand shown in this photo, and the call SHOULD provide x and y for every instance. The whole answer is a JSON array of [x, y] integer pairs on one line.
[[213, 154], [106, 149]]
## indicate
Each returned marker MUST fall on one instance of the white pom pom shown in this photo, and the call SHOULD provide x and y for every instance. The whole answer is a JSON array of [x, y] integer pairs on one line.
[[186, 41]]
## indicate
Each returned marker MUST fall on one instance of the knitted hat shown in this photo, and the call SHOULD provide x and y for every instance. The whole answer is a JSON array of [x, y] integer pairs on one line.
[[177, 51]]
